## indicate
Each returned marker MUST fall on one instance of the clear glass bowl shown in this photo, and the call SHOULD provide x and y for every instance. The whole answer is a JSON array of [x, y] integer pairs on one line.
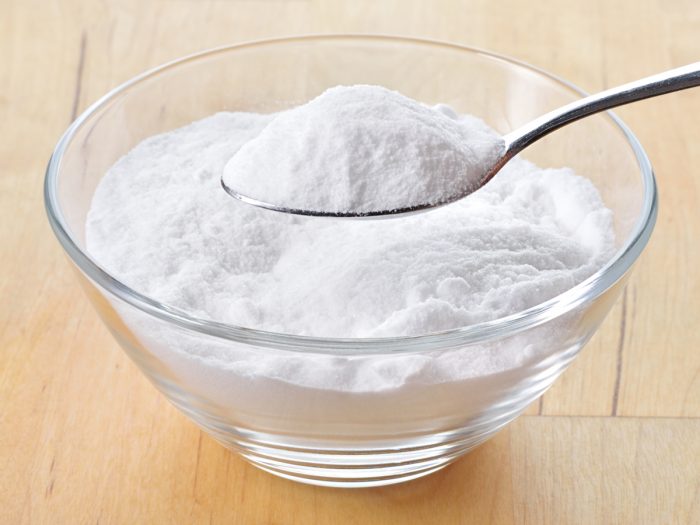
[[425, 410]]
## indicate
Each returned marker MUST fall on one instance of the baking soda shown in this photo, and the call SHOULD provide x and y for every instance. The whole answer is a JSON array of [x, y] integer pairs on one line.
[[358, 149], [161, 223]]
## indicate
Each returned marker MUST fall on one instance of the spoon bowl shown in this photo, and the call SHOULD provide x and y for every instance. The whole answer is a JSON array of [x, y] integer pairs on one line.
[[377, 214]]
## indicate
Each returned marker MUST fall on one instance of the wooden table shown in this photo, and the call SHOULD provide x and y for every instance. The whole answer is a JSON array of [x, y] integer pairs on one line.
[[85, 439]]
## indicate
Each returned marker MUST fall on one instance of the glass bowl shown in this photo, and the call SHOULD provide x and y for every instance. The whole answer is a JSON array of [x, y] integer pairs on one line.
[[406, 407]]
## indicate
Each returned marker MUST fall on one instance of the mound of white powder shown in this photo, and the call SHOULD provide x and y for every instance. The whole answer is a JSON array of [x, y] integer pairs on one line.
[[361, 149], [161, 223]]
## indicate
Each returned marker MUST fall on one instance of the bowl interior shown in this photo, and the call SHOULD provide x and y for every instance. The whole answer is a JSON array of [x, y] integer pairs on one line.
[[273, 75]]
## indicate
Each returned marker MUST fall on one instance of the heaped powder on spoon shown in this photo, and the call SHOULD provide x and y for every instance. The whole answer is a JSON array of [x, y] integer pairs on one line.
[[161, 223], [361, 149]]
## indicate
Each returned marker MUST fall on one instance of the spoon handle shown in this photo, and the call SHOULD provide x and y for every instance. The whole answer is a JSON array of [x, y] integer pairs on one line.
[[674, 80]]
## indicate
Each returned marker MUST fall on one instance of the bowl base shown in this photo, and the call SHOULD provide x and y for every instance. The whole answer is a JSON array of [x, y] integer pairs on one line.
[[358, 470], [358, 467], [350, 483]]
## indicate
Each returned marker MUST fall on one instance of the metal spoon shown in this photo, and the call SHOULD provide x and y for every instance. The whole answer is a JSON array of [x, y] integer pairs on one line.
[[514, 142]]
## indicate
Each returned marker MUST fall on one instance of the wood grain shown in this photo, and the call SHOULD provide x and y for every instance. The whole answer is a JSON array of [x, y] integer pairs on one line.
[[84, 438]]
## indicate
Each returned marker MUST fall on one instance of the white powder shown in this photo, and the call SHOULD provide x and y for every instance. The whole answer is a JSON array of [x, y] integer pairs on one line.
[[361, 149], [162, 224]]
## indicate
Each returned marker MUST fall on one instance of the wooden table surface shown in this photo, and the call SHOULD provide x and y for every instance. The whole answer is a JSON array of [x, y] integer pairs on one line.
[[85, 439]]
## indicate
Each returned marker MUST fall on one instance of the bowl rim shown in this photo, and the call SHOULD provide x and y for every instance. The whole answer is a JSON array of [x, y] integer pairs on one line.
[[596, 284]]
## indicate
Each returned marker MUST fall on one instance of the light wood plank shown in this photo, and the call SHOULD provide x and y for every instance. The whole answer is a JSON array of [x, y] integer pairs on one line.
[[588, 470], [82, 434]]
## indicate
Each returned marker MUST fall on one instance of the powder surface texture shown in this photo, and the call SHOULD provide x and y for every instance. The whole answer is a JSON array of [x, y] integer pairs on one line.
[[161, 223], [361, 149]]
